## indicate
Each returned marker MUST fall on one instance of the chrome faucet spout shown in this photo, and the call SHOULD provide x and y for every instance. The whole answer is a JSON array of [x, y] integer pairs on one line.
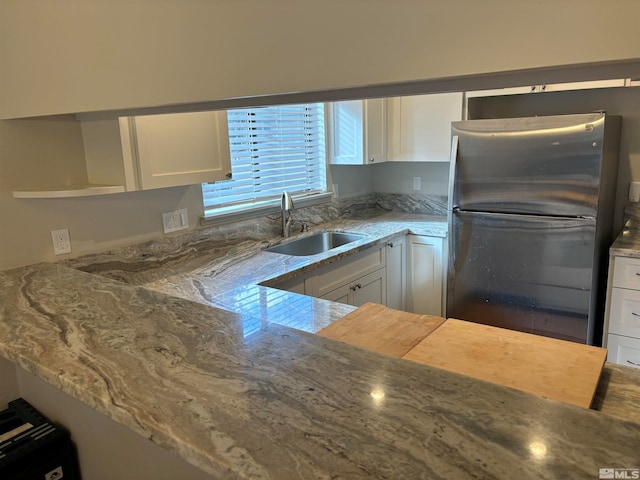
[[286, 206]]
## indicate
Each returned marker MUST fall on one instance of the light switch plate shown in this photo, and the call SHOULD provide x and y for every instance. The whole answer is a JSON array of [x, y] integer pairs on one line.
[[174, 221]]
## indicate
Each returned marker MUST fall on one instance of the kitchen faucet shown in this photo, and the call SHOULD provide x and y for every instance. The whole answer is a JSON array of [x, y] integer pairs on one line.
[[286, 206]]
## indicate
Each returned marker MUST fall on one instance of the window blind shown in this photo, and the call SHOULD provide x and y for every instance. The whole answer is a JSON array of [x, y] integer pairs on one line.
[[273, 149]]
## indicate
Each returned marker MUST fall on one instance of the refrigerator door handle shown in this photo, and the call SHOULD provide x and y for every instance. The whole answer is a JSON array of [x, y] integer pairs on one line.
[[453, 157]]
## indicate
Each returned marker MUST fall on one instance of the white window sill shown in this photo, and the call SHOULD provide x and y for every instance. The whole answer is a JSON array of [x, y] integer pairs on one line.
[[267, 207]]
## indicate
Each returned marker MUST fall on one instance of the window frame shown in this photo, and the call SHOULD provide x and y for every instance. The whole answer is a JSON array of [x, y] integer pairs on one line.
[[241, 211]]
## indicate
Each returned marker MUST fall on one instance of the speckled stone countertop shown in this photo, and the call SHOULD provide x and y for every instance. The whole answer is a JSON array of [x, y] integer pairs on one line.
[[235, 273], [627, 244], [244, 398]]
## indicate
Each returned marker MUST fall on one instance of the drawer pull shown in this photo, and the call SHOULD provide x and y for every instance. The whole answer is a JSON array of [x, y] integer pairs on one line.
[[635, 314], [633, 363]]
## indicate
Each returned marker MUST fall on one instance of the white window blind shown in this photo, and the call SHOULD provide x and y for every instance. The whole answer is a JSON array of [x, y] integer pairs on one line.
[[273, 149]]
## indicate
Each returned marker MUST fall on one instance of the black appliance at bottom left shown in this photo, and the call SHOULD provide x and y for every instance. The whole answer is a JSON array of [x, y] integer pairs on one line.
[[34, 448]]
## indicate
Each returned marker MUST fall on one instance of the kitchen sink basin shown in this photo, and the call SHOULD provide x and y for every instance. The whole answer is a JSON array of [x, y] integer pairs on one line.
[[315, 243]]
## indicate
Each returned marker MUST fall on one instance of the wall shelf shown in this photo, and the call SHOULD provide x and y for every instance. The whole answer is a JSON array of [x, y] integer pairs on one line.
[[69, 191]]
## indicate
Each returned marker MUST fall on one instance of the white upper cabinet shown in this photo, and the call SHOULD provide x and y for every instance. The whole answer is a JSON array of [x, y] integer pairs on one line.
[[551, 87], [357, 132], [181, 149], [156, 151], [141, 153], [420, 126]]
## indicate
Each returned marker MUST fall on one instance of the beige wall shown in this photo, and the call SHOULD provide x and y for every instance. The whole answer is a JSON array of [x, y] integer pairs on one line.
[[76, 56], [85, 56], [50, 152]]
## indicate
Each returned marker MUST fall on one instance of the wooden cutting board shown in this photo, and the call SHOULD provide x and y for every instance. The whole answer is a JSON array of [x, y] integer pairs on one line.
[[382, 329], [557, 369]]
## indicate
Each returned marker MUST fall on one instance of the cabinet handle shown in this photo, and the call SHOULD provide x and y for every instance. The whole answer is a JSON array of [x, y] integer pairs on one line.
[[358, 285], [635, 314], [390, 244], [371, 160], [229, 175], [633, 363]]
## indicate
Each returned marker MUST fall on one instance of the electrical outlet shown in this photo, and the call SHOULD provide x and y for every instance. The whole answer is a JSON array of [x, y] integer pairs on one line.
[[174, 221], [61, 242], [417, 183]]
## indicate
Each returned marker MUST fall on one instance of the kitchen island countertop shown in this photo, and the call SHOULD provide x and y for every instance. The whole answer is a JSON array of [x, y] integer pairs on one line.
[[241, 399]]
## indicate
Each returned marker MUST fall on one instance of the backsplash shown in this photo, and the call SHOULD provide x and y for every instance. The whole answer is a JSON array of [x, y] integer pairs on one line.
[[203, 243]]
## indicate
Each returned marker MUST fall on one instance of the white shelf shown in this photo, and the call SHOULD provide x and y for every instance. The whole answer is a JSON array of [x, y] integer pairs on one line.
[[68, 191]]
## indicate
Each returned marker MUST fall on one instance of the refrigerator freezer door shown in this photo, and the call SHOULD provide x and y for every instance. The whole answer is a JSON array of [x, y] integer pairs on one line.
[[539, 165], [526, 273]]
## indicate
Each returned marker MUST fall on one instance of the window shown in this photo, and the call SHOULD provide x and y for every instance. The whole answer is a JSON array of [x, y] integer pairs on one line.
[[273, 149]]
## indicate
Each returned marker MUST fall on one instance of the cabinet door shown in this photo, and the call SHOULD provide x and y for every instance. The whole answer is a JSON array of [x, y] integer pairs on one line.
[[396, 277], [624, 314], [357, 132], [626, 272], [342, 294], [376, 130], [623, 350], [420, 126], [182, 148], [370, 288], [346, 271], [425, 274], [295, 285]]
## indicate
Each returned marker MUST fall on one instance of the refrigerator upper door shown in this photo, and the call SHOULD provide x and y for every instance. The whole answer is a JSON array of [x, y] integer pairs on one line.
[[523, 272], [535, 165]]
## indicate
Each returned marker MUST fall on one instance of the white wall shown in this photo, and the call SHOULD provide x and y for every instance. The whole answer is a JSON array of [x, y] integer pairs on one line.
[[73, 55], [352, 180], [76, 56], [397, 177]]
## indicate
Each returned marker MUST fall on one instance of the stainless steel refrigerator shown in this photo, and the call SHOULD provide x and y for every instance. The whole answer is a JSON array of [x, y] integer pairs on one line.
[[531, 208]]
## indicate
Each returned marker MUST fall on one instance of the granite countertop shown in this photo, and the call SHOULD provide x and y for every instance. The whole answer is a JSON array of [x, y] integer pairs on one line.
[[240, 397], [627, 244], [235, 273]]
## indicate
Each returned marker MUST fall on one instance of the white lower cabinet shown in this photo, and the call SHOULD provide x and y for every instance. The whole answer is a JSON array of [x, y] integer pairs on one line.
[[425, 275], [622, 322], [295, 285], [406, 273], [623, 350], [355, 280], [370, 288], [396, 273]]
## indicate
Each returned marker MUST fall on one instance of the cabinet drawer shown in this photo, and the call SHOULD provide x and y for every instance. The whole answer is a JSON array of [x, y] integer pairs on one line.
[[626, 273], [623, 350], [624, 316], [333, 276]]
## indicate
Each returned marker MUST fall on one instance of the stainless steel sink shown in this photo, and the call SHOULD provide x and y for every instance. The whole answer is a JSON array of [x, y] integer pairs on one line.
[[316, 243]]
